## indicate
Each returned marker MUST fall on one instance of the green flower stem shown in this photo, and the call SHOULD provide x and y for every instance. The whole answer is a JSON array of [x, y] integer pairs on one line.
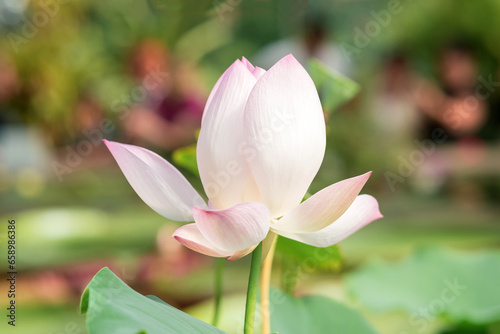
[[253, 285], [219, 269]]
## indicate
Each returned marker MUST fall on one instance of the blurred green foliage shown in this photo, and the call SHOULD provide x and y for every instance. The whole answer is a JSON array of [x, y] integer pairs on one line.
[[84, 47]]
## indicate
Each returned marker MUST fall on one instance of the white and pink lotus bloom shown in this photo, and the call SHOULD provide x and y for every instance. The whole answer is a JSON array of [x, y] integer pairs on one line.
[[261, 143]]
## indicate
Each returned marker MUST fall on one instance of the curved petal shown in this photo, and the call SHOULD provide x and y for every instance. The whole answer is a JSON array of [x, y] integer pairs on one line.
[[234, 229], [324, 207], [156, 181], [223, 170], [285, 131], [190, 236], [362, 211]]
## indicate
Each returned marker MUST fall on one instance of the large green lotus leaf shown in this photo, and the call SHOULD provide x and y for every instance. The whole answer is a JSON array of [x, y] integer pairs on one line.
[[464, 287], [113, 307], [313, 315], [334, 88]]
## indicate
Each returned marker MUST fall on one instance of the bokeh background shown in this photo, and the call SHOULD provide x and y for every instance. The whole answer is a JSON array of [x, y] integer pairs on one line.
[[426, 121]]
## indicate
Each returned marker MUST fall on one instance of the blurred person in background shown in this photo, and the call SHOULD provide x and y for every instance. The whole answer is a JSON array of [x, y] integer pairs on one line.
[[459, 106], [314, 42], [172, 108], [454, 104]]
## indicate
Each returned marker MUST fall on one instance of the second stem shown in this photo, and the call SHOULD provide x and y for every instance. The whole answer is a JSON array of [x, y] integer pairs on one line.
[[265, 279]]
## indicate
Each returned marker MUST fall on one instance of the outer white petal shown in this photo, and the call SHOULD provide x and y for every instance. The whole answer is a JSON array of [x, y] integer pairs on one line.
[[234, 229], [285, 131], [156, 181], [223, 169], [190, 236], [362, 211], [324, 207]]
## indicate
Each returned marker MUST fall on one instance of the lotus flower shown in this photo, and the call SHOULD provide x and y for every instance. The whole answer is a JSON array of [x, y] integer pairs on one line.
[[261, 143]]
